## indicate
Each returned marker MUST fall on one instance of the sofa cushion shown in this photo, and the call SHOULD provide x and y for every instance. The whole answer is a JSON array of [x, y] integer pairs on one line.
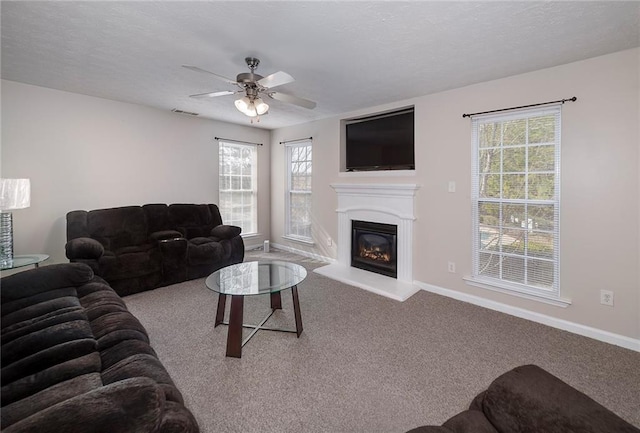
[[132, 405], [48, 397], [205, 253], [46, 338], [36, 382], [528, 399], [47, 357], [25, 327], [119, 227], [132, 262], [41, 309], [125, 349]]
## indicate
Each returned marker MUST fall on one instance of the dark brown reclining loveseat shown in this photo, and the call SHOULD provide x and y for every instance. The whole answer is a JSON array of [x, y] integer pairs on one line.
[[137, 248]]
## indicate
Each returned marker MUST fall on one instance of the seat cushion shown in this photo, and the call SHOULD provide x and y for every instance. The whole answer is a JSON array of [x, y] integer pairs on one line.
[[204, 251], [131, 262]]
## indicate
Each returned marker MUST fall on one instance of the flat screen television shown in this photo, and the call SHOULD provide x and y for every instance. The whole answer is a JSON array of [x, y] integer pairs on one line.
[[381, 142]]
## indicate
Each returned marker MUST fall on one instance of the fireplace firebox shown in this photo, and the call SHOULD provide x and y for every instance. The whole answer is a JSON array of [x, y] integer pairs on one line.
[[374, 247]]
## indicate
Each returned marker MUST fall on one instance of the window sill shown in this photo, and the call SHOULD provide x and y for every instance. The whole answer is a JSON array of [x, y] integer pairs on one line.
[[249, 235], [300, 240], [517, 290]]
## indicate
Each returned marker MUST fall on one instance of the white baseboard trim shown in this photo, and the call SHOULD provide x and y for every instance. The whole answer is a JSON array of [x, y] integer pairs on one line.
[[303, 253], [565, 325], [253, 247]]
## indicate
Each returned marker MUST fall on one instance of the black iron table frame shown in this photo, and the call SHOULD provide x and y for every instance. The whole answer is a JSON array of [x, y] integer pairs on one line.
[[235, 343]]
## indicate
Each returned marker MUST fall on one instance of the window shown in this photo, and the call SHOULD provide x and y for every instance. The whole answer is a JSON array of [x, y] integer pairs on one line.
[[238, 188], [516, 199], [298, 200]]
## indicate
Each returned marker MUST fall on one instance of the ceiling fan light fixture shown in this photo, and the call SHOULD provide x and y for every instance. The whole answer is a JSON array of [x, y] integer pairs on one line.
[[251, 108]]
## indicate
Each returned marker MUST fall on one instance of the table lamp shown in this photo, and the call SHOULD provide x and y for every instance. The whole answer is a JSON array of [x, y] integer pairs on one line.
[[14, 194]]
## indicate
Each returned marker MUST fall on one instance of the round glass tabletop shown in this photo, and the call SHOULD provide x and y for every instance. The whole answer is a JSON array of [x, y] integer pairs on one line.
[[26, 260], [256, 278]]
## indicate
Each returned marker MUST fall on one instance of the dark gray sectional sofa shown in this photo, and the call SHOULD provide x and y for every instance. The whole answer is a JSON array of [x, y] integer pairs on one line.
[[529, 399], [74, 359], [137, 248]]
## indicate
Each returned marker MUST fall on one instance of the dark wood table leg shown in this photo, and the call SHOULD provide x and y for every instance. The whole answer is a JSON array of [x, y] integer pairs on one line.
[[296, 310], [276, 301], [234, 337], [222, 302]]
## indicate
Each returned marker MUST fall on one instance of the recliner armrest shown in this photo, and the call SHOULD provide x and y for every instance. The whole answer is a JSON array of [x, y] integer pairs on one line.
[[83, 248], [224, 231]]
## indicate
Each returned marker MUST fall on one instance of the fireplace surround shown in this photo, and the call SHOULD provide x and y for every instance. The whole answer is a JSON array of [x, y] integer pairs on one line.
[[391, 204]]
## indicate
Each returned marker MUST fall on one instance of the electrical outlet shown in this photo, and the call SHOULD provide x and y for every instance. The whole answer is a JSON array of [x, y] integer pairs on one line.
[[606, 297], [452, 186], [451, 267], [329, 242]]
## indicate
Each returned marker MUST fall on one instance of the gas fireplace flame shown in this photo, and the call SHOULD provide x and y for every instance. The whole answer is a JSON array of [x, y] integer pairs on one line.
[[375, 253]]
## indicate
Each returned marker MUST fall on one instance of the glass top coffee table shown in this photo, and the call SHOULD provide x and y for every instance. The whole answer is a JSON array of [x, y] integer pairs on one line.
[[254, 278]]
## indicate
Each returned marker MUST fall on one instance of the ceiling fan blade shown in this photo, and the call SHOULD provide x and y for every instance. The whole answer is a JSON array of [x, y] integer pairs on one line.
[[276, 79], [220, 77], [212, 94], [293, 100]]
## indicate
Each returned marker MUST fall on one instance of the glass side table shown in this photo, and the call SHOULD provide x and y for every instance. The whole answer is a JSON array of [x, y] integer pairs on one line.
[[26, 260]]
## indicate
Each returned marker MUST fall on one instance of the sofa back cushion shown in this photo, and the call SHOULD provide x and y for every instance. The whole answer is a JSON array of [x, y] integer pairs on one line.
[[157, 217], [118, 227], [194, 220]]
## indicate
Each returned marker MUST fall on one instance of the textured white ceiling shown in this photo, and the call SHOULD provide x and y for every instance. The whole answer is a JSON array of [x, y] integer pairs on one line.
[[344, 55]]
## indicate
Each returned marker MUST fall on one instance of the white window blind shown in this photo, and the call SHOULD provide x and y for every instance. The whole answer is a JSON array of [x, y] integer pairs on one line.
[[516, 200], [237, 185], [298, 198]]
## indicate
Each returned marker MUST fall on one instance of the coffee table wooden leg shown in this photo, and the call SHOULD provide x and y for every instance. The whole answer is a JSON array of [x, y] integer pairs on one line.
[[296, 310], [222, 302], [234, 337], [276, 301]]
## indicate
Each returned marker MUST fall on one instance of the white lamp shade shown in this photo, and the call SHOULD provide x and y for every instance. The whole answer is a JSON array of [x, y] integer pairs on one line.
[[261, 106], [15, 194], [242, 104]]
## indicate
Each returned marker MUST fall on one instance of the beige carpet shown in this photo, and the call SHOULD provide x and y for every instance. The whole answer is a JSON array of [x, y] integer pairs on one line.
[[364, 363]]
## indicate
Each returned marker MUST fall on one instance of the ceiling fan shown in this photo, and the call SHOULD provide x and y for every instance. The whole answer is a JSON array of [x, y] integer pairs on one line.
[[254, 86]]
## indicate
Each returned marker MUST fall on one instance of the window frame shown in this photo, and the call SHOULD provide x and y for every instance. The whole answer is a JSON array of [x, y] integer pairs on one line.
[[552, 293], [288, 232], [226, 219]]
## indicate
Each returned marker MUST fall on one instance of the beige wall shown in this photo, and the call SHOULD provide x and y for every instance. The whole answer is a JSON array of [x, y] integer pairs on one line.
[[599, 186], [82, 152]]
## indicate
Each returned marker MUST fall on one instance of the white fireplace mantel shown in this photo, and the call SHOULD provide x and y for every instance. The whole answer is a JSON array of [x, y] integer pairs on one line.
[[380, 203]]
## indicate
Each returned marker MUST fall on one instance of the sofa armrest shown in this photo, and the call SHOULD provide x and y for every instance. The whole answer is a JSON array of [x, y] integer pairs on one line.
[[45, 278], [529, 399], [164, 235], [224, 231], [84, 248]]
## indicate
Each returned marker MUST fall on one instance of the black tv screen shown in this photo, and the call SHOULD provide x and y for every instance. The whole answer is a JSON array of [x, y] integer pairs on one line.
[[383, 142]]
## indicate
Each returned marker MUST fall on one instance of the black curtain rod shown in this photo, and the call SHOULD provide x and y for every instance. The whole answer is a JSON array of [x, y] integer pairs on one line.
[[574, 99], [298, 139], [237, 141]]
